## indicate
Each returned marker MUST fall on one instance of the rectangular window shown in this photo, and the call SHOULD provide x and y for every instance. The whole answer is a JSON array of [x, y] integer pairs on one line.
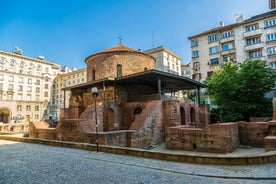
[[46, 69], [10, 87], [19, 96], [46, 86], [214, 61], [252, 41], [19, 108], [37, 97], [10, 96], [36, 117], [271, 50], [45, 94], [271, 37], [37, 90], [212, 38], [37, 82], [227, 58], [196, 66], [226, 34], [20, 79], [11, 78], [227, 46], [1, 86], [36, 108], [252, 27], [28, 108], [270, 23], [29, 97], [255, 54], [194, 43], [209, 74], [1, 68], [1, 77], [20, 88], [29, 88], [29, 81], [213, 50], [195, 53]]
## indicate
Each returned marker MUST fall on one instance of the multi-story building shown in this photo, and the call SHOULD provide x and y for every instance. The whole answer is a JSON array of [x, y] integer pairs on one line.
[[186, 70], [25, 87], [166, 60], [60, 98], [254, 38]]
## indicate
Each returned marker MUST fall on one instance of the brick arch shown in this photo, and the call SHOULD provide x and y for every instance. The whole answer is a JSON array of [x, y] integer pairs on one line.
[[5, 114], [182, 116], [192, 115]]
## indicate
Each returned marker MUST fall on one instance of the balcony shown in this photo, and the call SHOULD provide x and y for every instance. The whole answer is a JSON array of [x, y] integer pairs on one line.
[[254, 46], [227, 52], [252, 33], [228, 39]]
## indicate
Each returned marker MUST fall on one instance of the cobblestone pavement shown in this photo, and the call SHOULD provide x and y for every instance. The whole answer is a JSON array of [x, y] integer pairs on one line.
[[34, 163]]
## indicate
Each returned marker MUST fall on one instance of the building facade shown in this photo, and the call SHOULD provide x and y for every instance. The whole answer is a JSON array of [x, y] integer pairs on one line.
[[25, 87], [60, 97], [254, 38], [166, 60]]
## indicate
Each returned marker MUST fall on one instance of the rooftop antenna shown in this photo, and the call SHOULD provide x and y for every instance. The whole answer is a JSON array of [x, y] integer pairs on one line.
[[120, 39]]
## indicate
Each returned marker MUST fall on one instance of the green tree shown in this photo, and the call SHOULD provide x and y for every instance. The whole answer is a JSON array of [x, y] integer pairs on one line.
[[239, 90]]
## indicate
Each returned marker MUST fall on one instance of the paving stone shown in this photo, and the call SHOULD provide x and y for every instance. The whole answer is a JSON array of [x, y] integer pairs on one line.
[[34, 163]]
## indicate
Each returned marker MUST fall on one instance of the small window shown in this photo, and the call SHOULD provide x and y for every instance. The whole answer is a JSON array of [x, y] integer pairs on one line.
[[119, 70], [252, 27], [270, 23], [195, 53], [214, 61], [212, 38], [194, 43], [271, 37], [137, 110], [213, 50]]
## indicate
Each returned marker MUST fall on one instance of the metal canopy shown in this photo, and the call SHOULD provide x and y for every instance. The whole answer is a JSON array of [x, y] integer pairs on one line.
[[168, 81]]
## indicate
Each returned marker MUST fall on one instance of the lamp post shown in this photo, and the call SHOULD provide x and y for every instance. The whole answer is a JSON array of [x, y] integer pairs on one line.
[[95, 95]]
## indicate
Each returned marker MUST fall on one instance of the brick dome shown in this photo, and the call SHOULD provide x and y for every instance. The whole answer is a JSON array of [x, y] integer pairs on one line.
[[116, 62]]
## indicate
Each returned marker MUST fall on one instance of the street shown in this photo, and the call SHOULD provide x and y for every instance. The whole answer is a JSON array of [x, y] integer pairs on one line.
[[34, 163]]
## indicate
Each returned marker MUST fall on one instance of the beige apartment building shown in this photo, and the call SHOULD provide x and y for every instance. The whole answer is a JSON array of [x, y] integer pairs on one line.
[[25, 87], [254, 38], [60, 97], [166, 60]]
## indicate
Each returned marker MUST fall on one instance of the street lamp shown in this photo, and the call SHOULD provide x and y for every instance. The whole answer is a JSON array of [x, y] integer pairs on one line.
[[95, 95]]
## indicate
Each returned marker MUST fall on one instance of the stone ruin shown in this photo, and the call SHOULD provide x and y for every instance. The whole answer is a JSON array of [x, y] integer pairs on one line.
[[136, 108]]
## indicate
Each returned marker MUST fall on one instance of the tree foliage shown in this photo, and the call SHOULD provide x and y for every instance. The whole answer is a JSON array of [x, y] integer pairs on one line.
[[239, 90]]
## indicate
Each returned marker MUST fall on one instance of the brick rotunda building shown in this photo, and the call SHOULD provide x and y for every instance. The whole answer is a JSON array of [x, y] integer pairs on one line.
[[132, 108]]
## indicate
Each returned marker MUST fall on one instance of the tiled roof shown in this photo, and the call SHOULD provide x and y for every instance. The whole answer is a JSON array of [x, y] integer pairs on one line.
[[119, 48]]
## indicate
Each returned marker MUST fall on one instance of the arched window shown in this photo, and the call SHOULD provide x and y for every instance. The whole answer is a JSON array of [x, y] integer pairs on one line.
[[182, 116], [119, 70], [192, 114], [93, 74]]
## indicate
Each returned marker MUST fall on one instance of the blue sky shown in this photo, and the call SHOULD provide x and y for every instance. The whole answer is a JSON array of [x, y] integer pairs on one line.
[[68, 31]]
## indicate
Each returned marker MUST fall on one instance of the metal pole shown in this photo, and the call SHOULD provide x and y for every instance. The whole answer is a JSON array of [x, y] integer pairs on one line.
[[97, 137]]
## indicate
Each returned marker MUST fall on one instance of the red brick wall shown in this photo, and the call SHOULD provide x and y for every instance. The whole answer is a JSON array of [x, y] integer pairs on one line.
[[220, 138], [253, 133]]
